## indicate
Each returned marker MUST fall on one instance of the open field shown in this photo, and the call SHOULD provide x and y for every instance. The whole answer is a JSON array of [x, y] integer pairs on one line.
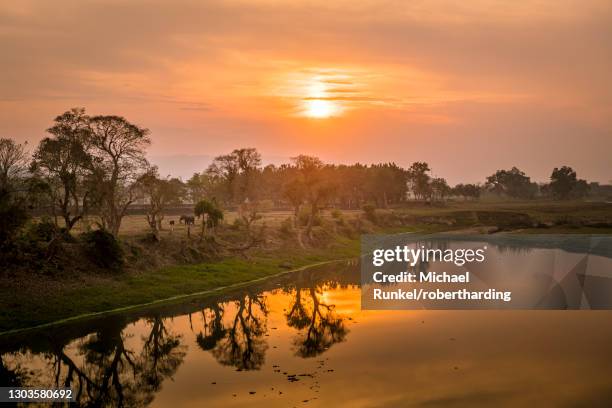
[[560, 216]]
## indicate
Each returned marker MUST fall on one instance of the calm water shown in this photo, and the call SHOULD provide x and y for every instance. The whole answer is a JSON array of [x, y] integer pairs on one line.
[[302, 340]]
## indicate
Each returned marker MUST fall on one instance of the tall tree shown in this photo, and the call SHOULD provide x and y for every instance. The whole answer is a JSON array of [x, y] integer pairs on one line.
[[63, 160], [118, 149], [316, 186], [249, 162], [236, 173], [419, 180]]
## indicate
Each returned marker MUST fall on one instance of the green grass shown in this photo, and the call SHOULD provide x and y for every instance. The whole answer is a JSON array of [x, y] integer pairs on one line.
[[22, 309]]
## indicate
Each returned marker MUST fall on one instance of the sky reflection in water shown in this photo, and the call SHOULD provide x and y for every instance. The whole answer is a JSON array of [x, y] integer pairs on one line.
[[302, 340]]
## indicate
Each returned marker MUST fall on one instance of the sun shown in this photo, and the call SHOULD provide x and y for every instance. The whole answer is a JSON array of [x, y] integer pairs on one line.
[[320, 108]]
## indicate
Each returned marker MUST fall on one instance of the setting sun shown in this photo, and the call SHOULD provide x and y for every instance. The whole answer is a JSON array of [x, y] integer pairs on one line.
[[319, 108]]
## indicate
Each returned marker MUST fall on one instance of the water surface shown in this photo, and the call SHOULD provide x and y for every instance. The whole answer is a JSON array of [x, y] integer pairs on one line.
[[302, 340]]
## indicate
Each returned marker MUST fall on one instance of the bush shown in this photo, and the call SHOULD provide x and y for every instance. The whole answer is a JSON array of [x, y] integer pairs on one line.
[[13, 216], [370, 212], [46, 231], [103, 249]]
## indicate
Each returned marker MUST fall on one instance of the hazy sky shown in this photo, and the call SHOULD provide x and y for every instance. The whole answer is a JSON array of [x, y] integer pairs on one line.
[[469, 86]]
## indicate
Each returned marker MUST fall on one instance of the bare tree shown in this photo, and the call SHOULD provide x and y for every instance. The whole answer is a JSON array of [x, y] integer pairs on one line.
[[13, 162]]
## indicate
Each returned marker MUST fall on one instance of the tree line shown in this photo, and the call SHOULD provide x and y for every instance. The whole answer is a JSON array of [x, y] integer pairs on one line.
[[96, 166]]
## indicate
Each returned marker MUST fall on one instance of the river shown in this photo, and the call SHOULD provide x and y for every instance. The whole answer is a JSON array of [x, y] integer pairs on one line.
[[303, 340]]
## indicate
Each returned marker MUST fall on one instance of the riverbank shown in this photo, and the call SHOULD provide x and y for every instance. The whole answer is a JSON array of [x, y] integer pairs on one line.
[[40, 304], [178, 267]]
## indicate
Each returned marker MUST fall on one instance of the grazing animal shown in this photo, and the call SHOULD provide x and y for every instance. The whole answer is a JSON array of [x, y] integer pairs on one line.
[[171, 222], [187, 219]]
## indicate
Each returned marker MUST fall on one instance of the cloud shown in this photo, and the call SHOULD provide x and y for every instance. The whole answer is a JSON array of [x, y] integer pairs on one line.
[[220, 72]]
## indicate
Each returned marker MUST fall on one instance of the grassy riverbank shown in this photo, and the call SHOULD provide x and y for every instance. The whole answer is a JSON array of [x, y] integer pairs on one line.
[[40, 304], [177, 266]]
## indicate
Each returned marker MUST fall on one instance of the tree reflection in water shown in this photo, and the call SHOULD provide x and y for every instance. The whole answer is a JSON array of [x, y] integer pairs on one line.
[[15, 376], [111, 367], [103, 372], [213, 327], [318, 324], [241, 343]]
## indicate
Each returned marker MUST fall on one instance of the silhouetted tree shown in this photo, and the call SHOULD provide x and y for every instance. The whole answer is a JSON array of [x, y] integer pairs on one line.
[[211, 215], [562, 182], [161, 193], [13, 162], [419, 180], [63, 160], [118, 149], [320, 327], [244, 345], [513, 183]]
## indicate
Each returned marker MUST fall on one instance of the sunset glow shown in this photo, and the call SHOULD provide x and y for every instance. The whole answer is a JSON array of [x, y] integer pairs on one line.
[[348, 83], [318, 108]]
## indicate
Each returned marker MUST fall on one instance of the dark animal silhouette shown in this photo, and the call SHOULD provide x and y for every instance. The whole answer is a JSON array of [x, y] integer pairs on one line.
[[187, 219], [171, 223]]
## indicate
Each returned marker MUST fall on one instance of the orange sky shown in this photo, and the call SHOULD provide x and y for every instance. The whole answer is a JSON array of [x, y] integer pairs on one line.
[[469, 87]]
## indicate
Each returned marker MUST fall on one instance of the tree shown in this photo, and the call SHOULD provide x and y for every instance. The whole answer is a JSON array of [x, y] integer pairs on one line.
[[211, 214], [161, 193], [317, 188], [118, 150], [467, 191], [439, 188], [13, 162], [295, 192], [581, 189], [513, 183], [386, 183], [223, 172], [562, 182], [199, 186], [249, 161], [419, 180], [13, 208], [235, 173], [63, 161]]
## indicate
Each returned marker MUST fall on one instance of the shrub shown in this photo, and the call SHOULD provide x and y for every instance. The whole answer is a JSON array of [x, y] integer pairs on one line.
[[13, 216], [46, 231], [103, 249]]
